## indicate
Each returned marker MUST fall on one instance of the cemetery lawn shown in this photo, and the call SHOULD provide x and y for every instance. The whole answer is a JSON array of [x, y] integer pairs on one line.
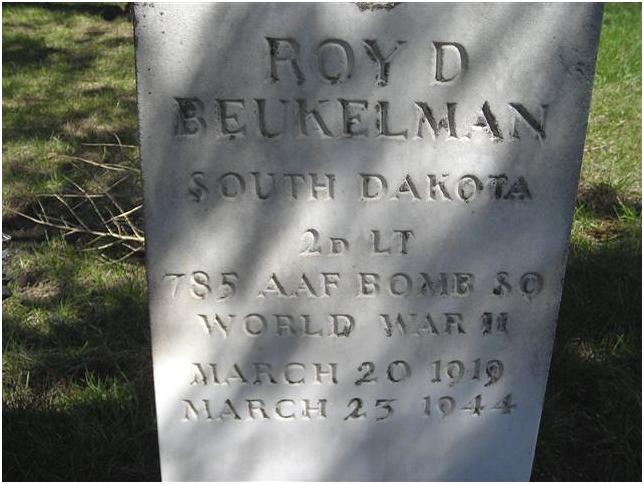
[[78, 401]]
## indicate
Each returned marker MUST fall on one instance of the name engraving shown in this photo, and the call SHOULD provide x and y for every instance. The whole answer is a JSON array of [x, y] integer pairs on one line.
[[326, 119], [333, 61]]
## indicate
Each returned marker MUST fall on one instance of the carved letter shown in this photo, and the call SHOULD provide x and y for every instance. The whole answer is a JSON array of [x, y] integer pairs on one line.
[[384, 62], [228, 190], [380, 191], [468, 187], [273, 287], [287, 374], [304, 113], [278, 408], [254, 331], [196, 188], [254, 405], [426, 116], [190, 409], [229, 411], [382, 107], [519, 190], [199, 376], [229, 122], [454, 320], [327, 188], [496, 184], [263, 369], [538, 126], [329, 280], [324, 63], [277, 48], [189, 120], [406, 187], [258, 185], [488, 122], [369, 284], [375, 237], [332, 373], [351, 120], [261, 119], [343, 324], [218, 323], [448, 68], [308, 408]]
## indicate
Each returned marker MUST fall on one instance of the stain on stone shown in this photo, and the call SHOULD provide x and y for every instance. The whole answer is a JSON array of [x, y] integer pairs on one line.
[[373, 6]]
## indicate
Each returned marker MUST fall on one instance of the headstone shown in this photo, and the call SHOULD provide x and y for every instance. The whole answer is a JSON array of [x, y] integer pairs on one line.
[[357, 222]]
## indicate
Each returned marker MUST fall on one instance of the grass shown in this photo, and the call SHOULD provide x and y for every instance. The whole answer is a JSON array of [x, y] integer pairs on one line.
[[77, 377]]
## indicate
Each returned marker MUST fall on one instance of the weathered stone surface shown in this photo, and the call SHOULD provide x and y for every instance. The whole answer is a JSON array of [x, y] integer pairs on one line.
[[357, 222]]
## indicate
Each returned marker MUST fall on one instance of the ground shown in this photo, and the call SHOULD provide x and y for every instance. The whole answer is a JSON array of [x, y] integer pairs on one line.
[[78, 402]]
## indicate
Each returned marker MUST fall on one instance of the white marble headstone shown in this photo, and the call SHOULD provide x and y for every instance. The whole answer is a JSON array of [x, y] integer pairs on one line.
[[357, 222]]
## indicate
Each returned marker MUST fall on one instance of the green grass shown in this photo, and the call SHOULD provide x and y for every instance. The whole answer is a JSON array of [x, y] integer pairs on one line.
[[68, 78], [77, 377], [77, 373]]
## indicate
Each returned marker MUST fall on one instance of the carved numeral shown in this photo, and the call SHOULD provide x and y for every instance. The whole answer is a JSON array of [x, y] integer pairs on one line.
[[494, 370], [385, 404], [311, 240], [228, 285], [312, 246], [505, 405], [199, 284], [355, 413], [174, 280], [456, 370], [446, 405], [368, 367], [474, 405]]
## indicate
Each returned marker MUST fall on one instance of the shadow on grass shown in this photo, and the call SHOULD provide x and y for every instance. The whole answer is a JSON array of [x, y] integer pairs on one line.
[[22, 49], [603, 200], [591, 417], [76, 444], [107, 11], [43, 117], [88, 413], [65, 79]]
